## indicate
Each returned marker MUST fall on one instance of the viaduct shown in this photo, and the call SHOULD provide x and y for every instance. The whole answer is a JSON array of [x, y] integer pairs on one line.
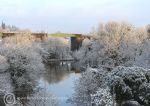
[[76, 40]]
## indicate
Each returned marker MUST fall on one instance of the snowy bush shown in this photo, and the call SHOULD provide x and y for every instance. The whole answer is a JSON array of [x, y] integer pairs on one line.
[[24, 63], [123, 85], [5, 83], [130, 83], [3, 64], [87, 85], [102, 98]]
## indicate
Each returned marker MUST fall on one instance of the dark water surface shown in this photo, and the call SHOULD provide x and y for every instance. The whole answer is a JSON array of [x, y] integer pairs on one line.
[[59, 80]]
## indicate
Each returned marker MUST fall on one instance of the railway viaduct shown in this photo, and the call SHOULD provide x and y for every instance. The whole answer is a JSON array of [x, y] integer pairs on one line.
[[75, 41]]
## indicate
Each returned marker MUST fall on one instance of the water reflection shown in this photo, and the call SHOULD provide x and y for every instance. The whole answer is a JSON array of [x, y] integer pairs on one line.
[[59, 79], [57, 72]]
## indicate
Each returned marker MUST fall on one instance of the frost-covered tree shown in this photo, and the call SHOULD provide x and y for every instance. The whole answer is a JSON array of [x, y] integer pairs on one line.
[[84, 55], [122, 86], [143, 60], [24, 62], [130, 83], [56, 48], [3, 64], [114, 44], [87, 85]]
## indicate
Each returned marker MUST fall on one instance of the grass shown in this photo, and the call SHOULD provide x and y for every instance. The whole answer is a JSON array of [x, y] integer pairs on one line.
[[62, 35], [56, 35]]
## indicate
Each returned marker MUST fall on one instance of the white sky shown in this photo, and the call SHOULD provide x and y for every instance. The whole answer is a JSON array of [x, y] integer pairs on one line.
[[72, 16]]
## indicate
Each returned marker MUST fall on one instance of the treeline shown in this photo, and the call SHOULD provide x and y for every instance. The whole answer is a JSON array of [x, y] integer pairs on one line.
[[5, 27], [11, 28], [124, 48], [115, 43]]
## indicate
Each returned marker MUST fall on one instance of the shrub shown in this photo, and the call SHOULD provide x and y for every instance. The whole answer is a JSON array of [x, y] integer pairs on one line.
[[24, 62], [130, 83]]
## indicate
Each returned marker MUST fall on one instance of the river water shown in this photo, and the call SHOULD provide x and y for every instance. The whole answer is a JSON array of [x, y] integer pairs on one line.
[[57, 80]]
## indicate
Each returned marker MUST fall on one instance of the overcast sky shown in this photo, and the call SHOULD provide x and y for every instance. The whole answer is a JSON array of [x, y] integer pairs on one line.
[[72, 16]]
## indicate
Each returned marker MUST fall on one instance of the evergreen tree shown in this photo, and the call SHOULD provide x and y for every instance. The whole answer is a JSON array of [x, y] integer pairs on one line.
[[3, 25]]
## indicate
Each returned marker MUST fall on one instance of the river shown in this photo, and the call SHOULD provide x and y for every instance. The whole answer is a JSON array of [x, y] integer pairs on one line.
[[57, 80]]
